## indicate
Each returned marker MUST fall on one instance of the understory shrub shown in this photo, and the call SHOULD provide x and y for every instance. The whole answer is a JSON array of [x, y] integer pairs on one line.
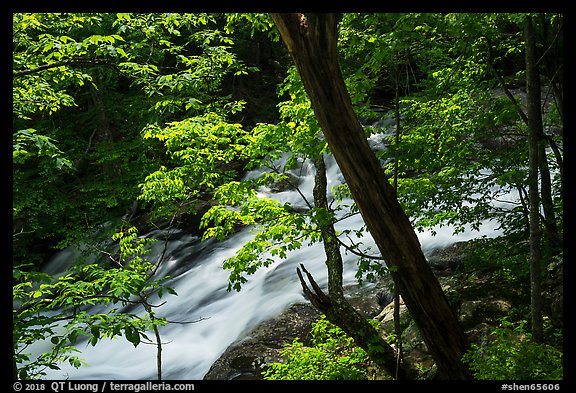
[[512, 355], [332, 356]]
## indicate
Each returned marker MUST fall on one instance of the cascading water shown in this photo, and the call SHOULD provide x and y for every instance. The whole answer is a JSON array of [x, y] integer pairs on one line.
[[206, 317]]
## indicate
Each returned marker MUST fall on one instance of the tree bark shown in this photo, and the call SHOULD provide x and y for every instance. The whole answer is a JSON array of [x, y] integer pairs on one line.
[[14, 366], [397, 118], [551, 233], [311, 40], [548, 59], [534, 132], [335, 306]]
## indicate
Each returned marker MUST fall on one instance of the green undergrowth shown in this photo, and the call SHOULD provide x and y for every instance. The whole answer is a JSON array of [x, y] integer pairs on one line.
[[491, 268]]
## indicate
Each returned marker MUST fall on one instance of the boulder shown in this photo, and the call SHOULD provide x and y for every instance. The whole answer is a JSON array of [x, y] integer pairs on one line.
[[247, 358]]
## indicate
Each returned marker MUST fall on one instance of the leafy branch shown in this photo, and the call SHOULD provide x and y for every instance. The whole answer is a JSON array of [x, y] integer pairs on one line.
[[69, 298], [74, 62]]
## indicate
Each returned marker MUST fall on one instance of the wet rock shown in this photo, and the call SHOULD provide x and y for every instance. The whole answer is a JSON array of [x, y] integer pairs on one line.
[[474, 312], [447, 261], [386, 316], [286, 182], [247, 358], [370, 298]]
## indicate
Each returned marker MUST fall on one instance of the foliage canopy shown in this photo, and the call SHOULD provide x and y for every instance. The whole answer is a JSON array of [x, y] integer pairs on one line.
[[124, 115]]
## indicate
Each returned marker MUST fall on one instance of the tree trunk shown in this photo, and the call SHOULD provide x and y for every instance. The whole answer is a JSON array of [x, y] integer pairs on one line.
[[534, 132], [335, 306], [14, 367], [397, 118], [551, 235], [312, 42]]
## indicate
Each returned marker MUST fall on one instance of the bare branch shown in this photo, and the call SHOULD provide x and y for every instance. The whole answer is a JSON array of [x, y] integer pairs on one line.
[[503, 85], [22, 232], [318, 298]]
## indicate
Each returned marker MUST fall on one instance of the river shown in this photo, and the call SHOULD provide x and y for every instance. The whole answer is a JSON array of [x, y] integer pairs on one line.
[[221, 317]]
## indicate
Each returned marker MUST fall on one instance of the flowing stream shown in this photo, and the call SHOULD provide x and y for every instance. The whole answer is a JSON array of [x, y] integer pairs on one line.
[[221, 317]]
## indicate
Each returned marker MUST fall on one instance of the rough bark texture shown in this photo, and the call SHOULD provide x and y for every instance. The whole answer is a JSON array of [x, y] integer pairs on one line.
[[312, 42], [335, 306], [534, 132]]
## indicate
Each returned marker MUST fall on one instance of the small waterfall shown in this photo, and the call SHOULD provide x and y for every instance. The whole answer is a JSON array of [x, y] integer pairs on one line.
[[207, 318]]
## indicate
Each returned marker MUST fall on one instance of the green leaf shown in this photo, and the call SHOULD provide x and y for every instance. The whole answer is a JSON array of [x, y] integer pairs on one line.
[[132, 335], [171, 291], [95, 330]]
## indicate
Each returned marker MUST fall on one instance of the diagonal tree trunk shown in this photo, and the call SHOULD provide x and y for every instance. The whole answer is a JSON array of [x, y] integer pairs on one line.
[[311, 40]]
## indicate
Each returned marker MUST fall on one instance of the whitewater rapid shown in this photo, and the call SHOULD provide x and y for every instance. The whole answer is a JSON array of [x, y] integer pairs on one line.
[[205, 317]]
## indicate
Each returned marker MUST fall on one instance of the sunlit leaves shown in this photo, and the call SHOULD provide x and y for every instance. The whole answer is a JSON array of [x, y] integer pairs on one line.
[[331, 356], [119, 71], [277, 229], [259, 23], [56, 308], [163, 185], [35, 94], [46, 61], [28, 144], [202, 149], [273, 239], [441, 157]]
